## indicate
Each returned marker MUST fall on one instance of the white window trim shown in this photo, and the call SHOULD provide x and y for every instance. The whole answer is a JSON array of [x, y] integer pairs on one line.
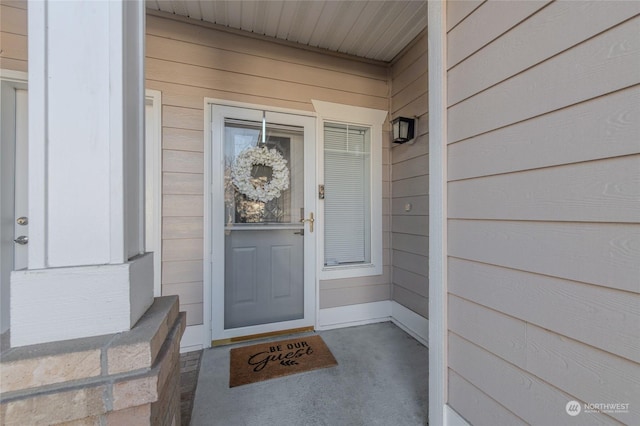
[[348, 114]]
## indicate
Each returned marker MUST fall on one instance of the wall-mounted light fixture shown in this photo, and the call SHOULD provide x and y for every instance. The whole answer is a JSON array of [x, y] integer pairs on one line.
[[403, 129]]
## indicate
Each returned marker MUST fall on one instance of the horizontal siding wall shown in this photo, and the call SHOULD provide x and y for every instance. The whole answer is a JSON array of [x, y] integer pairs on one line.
[[410, 181], [13, 35], [190, 62], [543, 210]]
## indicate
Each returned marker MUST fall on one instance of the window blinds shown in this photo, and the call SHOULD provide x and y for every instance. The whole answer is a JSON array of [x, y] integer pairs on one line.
[[347, 194]]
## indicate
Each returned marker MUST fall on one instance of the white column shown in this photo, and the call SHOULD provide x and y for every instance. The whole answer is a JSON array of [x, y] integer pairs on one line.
[[87, 273]]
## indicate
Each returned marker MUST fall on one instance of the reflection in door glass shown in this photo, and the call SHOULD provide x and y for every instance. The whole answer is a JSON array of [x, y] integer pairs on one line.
[[262, 181]]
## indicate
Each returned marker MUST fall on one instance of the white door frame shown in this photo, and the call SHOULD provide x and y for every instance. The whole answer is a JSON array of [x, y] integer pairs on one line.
[[9, 80], [153, 184], [21, 176], [214, 220]]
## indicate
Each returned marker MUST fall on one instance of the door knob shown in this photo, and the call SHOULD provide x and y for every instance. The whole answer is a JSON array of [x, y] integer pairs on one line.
[[22, 240], [310, 220]]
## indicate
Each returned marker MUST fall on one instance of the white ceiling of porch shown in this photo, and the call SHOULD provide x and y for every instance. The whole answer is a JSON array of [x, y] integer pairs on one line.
[[376, 30]]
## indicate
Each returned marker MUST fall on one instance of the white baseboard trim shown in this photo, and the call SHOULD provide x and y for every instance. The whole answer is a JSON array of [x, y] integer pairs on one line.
[[451, 418], [192, 338], [369, 313], [416, 325], [352, 315]]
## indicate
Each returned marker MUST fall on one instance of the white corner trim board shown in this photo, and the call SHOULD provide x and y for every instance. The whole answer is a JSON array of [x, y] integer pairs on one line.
[[416, 325], [437, 84], [192, 338]]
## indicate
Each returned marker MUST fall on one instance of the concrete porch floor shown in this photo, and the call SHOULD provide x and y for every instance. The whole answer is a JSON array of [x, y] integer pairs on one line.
[[381, 379]]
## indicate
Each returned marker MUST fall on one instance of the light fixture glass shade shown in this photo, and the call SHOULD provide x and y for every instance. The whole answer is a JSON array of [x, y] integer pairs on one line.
[[403, 129]]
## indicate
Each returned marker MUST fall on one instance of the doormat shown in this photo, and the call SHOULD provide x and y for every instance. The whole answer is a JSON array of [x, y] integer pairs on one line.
[[265, 361]]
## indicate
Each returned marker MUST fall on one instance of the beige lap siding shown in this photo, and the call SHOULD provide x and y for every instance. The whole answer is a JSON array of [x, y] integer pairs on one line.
[[13, 35], [189, 62], [543, 225], [410, 180]]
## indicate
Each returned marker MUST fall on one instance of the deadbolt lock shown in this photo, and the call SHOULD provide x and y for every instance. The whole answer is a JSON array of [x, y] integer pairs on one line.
[[22, 221], [22, 240]]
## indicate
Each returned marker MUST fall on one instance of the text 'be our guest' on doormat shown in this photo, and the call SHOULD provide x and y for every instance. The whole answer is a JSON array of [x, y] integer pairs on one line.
[[265, 361]]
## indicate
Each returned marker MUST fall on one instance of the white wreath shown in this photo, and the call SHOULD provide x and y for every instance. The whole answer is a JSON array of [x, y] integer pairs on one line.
[[244, 182]]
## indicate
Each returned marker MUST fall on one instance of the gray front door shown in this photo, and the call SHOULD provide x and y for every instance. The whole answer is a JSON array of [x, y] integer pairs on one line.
[[264, 235]]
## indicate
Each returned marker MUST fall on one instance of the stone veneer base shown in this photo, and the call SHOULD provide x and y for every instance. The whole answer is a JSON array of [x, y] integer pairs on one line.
[[129, 378]]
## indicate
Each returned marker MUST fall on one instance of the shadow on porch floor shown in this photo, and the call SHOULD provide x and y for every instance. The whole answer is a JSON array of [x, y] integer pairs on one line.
[[381, 379]]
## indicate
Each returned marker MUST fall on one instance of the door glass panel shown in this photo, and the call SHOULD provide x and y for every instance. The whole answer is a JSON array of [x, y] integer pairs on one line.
[[263, 205]]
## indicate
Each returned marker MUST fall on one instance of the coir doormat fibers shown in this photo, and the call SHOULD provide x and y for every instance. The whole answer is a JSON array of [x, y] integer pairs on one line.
[[265, 361]]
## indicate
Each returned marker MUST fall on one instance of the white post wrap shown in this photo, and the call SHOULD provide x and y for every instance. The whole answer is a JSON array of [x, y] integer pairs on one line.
[[87, 273]]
